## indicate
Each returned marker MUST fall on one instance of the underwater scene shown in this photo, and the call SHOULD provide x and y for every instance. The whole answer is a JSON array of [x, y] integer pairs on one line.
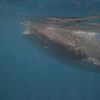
[[49, 50]]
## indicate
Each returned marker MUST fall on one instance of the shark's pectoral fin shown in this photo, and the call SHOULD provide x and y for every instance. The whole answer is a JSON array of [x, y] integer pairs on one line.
[[92, 60]]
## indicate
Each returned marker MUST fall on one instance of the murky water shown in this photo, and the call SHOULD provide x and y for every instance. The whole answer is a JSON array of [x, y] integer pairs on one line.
[[27, 70]]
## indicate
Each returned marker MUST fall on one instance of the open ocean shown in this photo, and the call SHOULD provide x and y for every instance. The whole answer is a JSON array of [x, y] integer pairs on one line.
[[27, 70]]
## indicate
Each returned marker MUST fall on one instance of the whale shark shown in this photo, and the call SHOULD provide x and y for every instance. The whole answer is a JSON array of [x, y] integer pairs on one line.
[[79, 37]]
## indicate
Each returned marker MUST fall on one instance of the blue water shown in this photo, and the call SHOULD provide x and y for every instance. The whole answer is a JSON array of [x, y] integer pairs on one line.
[[26, 71]]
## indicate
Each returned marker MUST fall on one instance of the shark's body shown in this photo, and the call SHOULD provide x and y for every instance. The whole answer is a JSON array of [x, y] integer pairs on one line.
[[77, 36]]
